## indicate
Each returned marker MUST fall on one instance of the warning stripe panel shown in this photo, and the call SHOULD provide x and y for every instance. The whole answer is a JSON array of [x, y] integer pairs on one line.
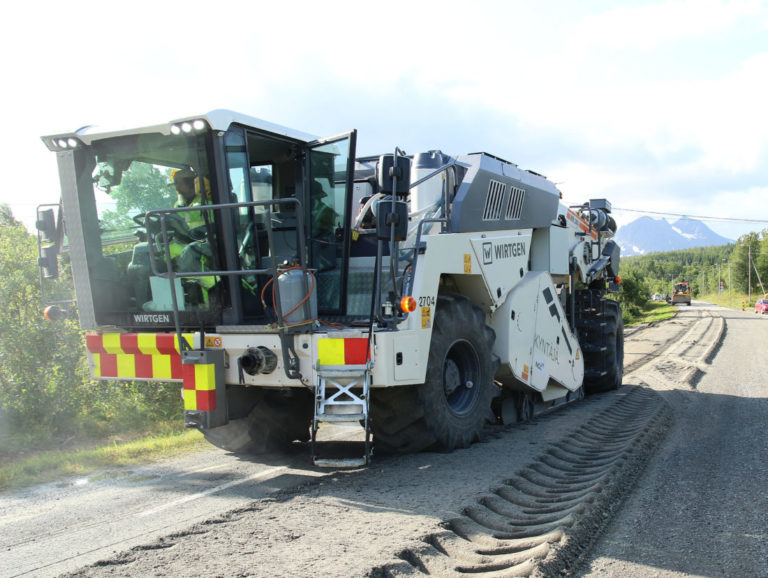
[[128, 366], [199, 386], [136, 355], [199, 400], [338, 351], [156, 356], [133, 343]]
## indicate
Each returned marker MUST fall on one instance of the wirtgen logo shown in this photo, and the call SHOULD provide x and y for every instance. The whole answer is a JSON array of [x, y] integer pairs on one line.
[[151, 318], [487, 253], [502, 251]]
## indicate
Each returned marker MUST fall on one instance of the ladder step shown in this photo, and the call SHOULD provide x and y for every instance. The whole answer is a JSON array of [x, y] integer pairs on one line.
[[340, 462], [346, 371], [335, 417]]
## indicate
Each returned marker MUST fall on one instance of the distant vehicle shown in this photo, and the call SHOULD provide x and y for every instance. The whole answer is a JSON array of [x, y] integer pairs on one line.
[[761, 306], [682, 293], [658, 297]]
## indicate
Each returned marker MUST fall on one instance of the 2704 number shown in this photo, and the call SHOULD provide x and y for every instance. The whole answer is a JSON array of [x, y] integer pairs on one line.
[[428, 301]]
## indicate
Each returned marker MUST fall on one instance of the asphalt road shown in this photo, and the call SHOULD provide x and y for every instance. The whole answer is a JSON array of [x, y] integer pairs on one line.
[[701, 508], [56, 528]]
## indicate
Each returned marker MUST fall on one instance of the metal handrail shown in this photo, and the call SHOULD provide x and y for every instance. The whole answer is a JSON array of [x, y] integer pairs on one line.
[[172, 275]]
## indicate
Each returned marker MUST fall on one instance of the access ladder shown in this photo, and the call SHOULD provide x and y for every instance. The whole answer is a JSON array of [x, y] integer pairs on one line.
[[342, 397]]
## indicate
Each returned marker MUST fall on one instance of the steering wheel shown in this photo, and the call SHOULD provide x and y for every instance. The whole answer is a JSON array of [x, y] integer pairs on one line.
[[174, 223]]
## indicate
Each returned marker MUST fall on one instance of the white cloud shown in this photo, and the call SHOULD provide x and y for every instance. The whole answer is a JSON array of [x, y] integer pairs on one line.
[[648, 26], [652, 105]]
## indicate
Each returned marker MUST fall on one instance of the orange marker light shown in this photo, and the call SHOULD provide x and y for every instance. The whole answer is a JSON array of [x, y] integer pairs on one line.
[[617, 280], [53, 313], [408, 304]]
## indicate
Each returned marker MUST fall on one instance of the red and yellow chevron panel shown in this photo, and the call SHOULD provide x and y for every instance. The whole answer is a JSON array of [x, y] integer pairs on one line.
[[199, 389], [338, 351], [136, 355]]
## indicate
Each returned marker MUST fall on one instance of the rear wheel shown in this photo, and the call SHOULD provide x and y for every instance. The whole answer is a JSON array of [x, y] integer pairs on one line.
[[276, 419], [450, 409]]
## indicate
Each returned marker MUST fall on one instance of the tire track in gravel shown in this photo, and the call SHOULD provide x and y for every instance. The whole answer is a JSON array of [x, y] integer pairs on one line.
[[661, 348], [687, 358], [543, 520]]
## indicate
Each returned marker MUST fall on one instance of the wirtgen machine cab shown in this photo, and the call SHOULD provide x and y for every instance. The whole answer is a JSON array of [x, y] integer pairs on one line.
[[286, 284]]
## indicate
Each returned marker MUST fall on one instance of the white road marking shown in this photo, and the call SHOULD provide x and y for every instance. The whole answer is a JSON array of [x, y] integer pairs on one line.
[[190, 498]]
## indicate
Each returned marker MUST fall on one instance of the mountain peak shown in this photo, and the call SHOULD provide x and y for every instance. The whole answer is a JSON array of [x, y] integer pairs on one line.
[[647, 235]]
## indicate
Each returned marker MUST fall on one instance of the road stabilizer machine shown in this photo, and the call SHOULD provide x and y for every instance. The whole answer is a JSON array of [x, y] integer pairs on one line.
[[286, 284], [681, 293]]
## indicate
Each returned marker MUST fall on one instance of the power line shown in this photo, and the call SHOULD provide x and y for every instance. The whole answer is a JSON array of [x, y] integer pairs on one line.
[[700, 218]]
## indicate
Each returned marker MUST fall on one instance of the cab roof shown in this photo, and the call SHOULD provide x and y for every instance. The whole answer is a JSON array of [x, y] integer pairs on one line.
[[218, 119]]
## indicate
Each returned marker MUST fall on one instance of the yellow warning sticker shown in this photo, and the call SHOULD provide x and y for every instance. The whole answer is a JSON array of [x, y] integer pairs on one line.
[[213, 341], [467, 263], [525, 372], [426, 317]]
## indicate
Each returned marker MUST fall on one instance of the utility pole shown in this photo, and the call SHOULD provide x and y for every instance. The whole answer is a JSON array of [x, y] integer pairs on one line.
[[719, 281], [749, 275]]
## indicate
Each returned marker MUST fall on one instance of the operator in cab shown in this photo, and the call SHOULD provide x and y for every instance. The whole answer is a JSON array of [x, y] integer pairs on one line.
[[188, 195], [196, 254]]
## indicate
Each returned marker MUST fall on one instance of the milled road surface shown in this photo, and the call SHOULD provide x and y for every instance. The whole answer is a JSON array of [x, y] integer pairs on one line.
[[701, 508], [530, 501]]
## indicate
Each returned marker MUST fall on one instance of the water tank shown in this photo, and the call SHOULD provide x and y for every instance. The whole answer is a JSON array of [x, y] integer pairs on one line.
[[292, 292], [431, 190]]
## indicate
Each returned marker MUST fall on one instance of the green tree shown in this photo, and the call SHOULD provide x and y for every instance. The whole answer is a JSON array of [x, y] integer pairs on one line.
[[143, 188], [742, 270], [634, 291], [38, 359], [45, 388]]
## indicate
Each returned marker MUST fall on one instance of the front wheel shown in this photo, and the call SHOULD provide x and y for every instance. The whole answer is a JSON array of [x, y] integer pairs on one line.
[[450, 409], [601, 336]]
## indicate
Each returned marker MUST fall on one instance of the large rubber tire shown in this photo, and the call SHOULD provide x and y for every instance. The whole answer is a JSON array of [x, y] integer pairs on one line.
[[450, 409], [602, 341], [274, 421]]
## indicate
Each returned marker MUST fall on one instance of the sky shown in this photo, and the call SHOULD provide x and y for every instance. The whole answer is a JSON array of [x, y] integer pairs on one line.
[[658, 106]]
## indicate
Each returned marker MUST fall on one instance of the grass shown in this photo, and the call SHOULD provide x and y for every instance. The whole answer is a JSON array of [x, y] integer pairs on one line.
[[732, 301], [22, 468], [650, 312]]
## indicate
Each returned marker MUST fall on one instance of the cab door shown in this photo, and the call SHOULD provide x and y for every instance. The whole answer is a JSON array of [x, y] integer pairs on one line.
[[328, 188]]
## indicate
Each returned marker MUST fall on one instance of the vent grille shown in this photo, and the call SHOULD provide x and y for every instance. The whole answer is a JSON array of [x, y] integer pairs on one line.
[[494, 201], [515, 206]]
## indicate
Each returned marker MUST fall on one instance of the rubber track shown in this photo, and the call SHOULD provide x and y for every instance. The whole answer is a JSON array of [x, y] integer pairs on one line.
[[542, 521]]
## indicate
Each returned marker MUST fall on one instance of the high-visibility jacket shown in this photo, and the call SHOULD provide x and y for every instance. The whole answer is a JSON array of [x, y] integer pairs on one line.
[[194, 219]]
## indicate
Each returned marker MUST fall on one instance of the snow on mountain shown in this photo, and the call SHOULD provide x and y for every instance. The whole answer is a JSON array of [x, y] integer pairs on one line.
[[646, 235]]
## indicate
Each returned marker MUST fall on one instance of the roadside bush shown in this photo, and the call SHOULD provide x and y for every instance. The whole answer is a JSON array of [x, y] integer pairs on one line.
[[633, 291], [46, 393]]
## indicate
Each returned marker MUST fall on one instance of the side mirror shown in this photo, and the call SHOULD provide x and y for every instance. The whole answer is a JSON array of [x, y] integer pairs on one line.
[[386, 169], [46, 224], [49, 261], [387, 215]]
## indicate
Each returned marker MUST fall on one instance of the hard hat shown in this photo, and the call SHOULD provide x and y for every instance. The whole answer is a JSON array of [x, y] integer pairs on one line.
[[185, 173]]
